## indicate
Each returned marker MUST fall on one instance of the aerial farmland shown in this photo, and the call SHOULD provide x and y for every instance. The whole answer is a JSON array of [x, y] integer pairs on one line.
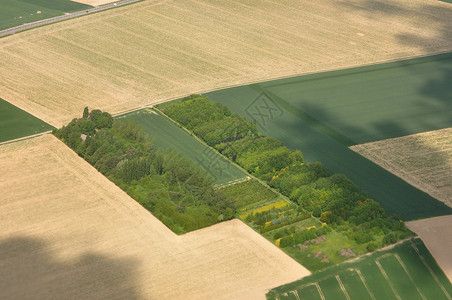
[[225, 149]]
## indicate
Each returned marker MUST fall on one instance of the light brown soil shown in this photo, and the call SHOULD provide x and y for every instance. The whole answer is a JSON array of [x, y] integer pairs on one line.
[[436, 233], [154, 51], [68, 232], [424, 160]]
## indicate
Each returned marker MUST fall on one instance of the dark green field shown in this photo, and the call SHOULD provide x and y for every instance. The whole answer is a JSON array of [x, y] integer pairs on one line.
[[166, 134], [16, 123], [376, 102], [407, 271], [17, 12], [323, 114]]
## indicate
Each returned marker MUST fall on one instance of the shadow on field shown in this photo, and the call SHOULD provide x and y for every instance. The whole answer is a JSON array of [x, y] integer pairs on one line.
[[434, 88], [29, 270]]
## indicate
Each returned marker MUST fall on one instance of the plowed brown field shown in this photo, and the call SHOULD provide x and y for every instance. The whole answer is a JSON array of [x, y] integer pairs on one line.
[[68, 232], [157, 50]]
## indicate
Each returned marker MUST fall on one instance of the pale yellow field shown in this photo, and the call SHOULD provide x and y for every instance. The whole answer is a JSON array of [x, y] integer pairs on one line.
[[424, 160], [436, 233], [67, 232], [158, 50]]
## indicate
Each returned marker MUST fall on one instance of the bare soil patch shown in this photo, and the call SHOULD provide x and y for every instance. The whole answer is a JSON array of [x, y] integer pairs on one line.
[[424, 160], [68, 232], [154, 51], [436, 233]]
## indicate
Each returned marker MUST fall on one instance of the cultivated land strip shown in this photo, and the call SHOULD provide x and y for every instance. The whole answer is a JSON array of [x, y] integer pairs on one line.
[[402, 271], [78, 235], [230, 43]]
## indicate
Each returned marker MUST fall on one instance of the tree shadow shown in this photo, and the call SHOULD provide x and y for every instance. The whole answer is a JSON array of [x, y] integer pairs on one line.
[[28, 270]]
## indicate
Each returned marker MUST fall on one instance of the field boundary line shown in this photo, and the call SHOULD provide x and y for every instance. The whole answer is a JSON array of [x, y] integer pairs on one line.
[[409, 275], [319, 290], [287, 76], [342, 286], [387, 279], [63, 17], [363, 280], [25, 137], [430, 270], [221, 154]]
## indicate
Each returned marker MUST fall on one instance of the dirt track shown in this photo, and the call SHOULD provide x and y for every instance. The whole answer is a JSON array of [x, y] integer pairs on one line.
[[68, 232], [158, 50]]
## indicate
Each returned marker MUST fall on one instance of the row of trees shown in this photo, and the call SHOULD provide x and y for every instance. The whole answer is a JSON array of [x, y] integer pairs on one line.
[[332, 198], [173, 188]]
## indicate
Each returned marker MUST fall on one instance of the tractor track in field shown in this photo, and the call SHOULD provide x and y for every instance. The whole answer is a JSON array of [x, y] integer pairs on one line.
[[25, 137]]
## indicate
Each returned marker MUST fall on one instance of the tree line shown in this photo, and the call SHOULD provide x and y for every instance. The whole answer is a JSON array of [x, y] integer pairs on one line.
[[173, 188], [333, 198]]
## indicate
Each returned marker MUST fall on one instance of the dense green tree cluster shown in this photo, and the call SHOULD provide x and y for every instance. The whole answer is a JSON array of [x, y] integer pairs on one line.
[[291, 237], [172, 187], [332, 198]]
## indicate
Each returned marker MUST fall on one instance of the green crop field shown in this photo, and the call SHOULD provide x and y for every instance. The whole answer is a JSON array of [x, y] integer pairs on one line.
[[16, 123], [407, 271], [371, 103], [166, 134], [323, 132], [17, 12]]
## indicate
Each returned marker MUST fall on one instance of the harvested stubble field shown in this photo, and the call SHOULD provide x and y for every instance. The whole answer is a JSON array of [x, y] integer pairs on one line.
[[423, 160], [405, 271], [436, 233], [68, 232], [156, 50]]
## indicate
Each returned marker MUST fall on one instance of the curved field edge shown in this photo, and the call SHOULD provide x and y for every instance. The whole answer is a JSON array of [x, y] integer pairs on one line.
[[67, 223], [16, 123], [404, 271], [82, 61]]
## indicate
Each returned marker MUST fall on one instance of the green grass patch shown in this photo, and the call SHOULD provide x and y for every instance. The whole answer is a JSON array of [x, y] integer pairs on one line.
[[322, 114], [407, 271], [166, 134], [324, 254], [16, 123], [250, 194], [17, 12]]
